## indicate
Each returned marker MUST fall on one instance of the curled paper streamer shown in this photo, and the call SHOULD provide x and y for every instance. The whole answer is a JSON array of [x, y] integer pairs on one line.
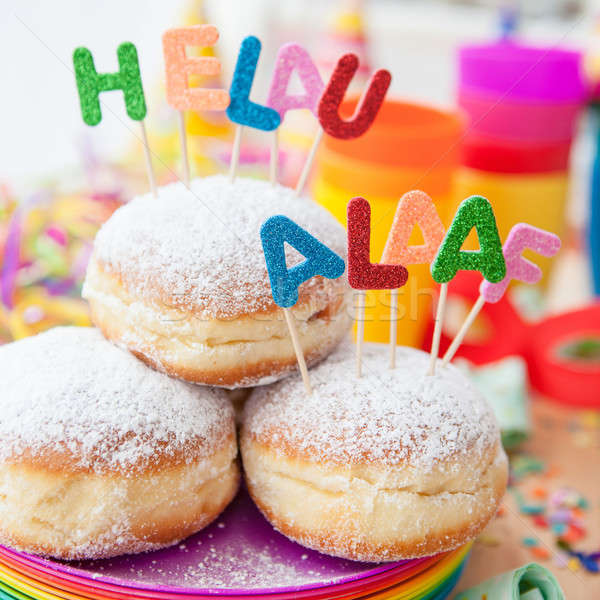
[[241, 109], [290, 57], [90, 83], [414, 208], [362, 273], [476, 212], [505, 387], [178, 68], [521, 236], [320, 260], [367, 108], [530, 582]]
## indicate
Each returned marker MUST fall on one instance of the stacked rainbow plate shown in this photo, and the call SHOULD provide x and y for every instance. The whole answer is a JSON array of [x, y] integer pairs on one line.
[[239, 557]]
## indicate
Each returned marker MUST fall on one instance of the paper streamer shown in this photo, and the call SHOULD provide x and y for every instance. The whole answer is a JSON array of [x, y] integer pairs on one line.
[[530, 582], [90, 83], [178, 68], [362, 273], [476, 212], [320, 260], [504, 385], [414, 208], [521, 236], [241, 109], [290, 57], [334, 93]]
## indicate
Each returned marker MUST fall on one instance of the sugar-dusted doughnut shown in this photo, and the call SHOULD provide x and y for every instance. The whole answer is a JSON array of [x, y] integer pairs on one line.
[[397, 464], [181, 281], [101, 455]]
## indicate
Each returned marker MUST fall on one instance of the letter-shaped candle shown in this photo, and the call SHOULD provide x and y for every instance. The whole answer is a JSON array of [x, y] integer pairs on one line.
[[320, 260], [179, 67], [290, 57], [362, 273], [521, 236], [476, 212], [367, 108], [241, 109], [414, 208]]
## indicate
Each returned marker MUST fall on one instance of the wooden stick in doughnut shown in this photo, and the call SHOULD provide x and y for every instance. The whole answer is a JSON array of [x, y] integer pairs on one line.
[[241, 109], [90, 84], [362, 273], [414, 208], [320, 260], [521, 236], [474, 212], [292, 57], [329, 107], [178, 68]]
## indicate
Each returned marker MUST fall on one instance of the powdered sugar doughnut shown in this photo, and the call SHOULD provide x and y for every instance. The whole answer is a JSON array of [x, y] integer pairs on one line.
[[181, 281], [100, 455], [394, 465]]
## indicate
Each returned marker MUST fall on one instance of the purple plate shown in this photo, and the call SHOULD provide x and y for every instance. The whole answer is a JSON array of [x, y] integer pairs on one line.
[[239, 554]]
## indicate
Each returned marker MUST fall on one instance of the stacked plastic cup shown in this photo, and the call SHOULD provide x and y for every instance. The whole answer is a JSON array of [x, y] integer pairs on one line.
[[409, 146], [522, 104]]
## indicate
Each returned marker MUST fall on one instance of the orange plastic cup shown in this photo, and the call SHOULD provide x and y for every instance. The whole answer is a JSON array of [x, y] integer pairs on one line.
[[409, 146], [404, 135]]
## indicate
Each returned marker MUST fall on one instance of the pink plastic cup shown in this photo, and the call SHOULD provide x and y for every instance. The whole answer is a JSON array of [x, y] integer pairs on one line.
[[518, 120]]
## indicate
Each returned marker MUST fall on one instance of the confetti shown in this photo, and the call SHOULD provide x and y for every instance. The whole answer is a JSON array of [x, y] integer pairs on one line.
[[541, 521], [367, 108], [362, 274], [290, 57], [90, 83], [475, 212], [178, 68], [540, 553], [320, 260], [241, 109], [530, 541], [521, 236], [574, 564], [414, 208]]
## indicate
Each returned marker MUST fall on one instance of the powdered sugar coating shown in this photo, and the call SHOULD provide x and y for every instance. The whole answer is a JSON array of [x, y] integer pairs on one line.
[[68, 390], [202, 247], [387, 416]]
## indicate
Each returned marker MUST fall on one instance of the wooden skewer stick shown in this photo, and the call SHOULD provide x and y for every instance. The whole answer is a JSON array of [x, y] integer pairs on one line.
[[437, 332], [184, 149], [393, 327], [309, 161], [460, 336], [289, 317], [148, 157], [274, 159], [360, 331], [235, 153]]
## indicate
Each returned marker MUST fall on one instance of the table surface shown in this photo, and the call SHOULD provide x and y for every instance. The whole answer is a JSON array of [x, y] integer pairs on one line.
[[574, 452]]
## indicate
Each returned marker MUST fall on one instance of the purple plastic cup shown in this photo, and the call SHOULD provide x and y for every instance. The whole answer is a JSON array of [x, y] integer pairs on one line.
[[515, 71]]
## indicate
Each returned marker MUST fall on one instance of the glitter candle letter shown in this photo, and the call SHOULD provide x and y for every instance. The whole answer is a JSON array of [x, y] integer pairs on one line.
[[290, 57], [521, 236], [241, 109], [362, 273], [90, 83], [367, 108], [179, 67], [414, 208], [474, 212], [320, 260]]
